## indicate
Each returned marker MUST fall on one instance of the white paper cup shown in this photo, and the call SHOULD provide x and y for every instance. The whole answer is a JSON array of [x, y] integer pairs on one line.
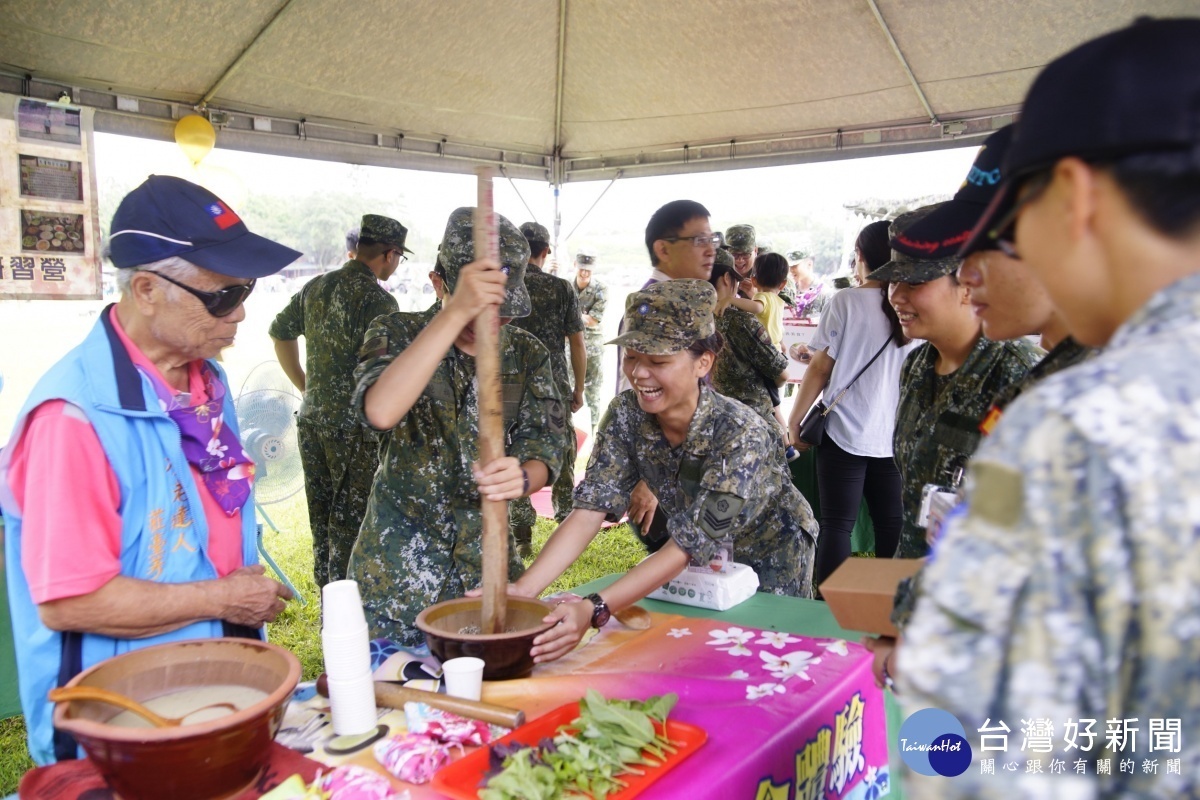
[[464, 677], [341, 607], [353, 705], [346, 656]]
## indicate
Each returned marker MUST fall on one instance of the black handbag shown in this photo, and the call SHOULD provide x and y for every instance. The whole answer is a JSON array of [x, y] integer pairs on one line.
[[812, 427]]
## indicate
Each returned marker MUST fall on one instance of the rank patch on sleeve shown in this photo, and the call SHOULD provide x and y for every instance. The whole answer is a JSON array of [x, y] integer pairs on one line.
[[558, 419], [718, 513]]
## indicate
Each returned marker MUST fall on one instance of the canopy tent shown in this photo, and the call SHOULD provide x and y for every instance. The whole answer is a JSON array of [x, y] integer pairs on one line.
[[561, 90]]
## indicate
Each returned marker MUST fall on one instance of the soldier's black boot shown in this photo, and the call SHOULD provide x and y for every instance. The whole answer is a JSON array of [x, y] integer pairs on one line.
[[523, 534]]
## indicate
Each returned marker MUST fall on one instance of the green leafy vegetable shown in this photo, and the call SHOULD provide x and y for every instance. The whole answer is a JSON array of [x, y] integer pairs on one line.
[[587, 758]]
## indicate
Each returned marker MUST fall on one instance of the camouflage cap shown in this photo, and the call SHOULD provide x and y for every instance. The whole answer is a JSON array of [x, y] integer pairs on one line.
[[904, 268], [740, 238], [585, 257], [765, 246], [723, 257], [458, 249], [796, 256], [535, 232], [384, 230], [667, 317]]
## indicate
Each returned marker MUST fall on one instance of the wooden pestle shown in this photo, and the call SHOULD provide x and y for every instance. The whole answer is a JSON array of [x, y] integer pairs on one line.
[[494, 610], [391, 695]]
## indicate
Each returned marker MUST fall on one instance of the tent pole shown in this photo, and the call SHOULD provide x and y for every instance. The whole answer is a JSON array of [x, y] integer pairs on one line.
[[556, 171], [933, 120]]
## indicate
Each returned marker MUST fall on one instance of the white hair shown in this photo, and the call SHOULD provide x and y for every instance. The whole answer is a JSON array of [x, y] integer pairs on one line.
[[174, 267]]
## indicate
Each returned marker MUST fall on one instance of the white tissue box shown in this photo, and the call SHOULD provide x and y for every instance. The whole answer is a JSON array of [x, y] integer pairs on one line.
[[707, 589]]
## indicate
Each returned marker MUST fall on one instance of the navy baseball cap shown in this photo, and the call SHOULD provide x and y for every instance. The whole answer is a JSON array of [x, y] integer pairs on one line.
[[942, 233], [168, 216], [1135, 90]]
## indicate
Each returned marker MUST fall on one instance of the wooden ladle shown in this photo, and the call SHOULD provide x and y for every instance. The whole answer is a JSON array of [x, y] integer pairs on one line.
[[68, 694]]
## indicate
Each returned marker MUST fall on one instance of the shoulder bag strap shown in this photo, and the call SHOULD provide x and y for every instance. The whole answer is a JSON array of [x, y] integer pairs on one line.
[[842, 394]]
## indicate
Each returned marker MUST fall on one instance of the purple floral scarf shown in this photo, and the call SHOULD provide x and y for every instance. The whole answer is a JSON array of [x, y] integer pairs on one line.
[[208, 443]]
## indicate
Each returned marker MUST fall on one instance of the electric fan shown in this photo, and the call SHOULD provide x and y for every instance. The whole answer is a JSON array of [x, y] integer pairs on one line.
[[266, 411]]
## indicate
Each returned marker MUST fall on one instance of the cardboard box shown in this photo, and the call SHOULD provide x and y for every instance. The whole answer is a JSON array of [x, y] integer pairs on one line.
[[860, 592], [703, 588]]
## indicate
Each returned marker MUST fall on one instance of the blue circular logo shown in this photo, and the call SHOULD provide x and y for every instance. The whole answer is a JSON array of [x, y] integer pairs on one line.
[[504, 270], [644, 309], [934, 742]]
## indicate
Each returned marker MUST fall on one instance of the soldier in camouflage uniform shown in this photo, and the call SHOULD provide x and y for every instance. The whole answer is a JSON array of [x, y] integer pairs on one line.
[[937, 420], [593, 297], [742, 242], [338, 452], [749, 358], [714, 464], [420, 539], [553, 318], [1066, 590]]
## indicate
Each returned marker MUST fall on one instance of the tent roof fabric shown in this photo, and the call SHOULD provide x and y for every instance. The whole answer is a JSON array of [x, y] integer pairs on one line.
[[647, 86]]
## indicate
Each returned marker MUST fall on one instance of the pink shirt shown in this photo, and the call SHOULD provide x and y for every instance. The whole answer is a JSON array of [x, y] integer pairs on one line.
[[68, 496]]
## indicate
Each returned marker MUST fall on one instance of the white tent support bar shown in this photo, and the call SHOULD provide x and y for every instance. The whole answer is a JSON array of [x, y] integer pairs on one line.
[[237, 62], [504, 172], [336, 140], [904, 138], [595, 203], [558, 92], [933, 119]]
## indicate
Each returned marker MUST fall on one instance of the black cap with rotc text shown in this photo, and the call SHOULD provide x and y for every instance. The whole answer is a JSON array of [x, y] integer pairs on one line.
[[941, 233]]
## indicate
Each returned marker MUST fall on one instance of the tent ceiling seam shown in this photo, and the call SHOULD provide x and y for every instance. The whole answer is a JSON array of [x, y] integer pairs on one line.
[[933, 119], [237, 62]]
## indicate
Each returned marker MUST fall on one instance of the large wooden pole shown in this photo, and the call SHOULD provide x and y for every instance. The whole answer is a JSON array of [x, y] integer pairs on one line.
[[491, 419]]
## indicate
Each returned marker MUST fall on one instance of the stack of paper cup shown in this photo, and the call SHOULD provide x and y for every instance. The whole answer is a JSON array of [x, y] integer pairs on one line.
[[347, 651]]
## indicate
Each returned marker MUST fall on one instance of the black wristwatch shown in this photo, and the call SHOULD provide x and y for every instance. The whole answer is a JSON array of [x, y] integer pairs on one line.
[[600, 614]]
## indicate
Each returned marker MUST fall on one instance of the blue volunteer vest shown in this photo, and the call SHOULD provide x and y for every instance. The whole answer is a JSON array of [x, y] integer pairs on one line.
[[161, 539]]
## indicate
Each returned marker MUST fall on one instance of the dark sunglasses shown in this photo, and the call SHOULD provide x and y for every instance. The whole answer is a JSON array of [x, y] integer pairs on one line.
[[220, 303]]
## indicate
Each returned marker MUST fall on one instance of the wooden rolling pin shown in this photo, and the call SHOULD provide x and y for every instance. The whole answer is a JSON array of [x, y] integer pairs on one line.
[[391, 695]]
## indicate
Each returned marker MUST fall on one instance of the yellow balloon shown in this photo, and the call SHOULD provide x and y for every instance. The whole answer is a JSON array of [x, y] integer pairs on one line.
[[195, 136]]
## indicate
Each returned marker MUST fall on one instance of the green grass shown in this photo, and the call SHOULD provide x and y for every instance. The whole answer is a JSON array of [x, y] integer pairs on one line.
[[299, 627], [14, 756]]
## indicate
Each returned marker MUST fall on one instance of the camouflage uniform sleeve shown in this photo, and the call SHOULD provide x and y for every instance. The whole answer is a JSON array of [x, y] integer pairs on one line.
[[726, 500], [541, 419], [1003, 625], [289, 323], [597, 311], [385, 338], [572, 317], [612, 469], [766, 359]]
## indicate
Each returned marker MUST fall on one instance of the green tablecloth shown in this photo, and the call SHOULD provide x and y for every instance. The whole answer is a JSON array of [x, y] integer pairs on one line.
[[791, 614], [804, 475], [10, 702]]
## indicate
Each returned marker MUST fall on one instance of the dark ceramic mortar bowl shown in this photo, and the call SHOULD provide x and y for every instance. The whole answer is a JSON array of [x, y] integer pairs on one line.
[[214, 759], [505, 655]]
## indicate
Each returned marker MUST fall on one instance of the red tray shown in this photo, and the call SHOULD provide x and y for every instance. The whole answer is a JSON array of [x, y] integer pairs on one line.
[[462, 779]]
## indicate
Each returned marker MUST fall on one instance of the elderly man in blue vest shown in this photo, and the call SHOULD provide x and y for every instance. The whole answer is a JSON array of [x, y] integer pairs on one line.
[[128, 499]]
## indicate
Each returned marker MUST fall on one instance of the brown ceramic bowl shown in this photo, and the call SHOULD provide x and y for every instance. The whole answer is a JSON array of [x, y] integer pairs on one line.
[[214, 759], [505, 655]]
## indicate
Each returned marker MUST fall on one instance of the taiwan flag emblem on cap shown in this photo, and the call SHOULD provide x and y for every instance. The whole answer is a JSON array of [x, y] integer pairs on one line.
[[223, 215]]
